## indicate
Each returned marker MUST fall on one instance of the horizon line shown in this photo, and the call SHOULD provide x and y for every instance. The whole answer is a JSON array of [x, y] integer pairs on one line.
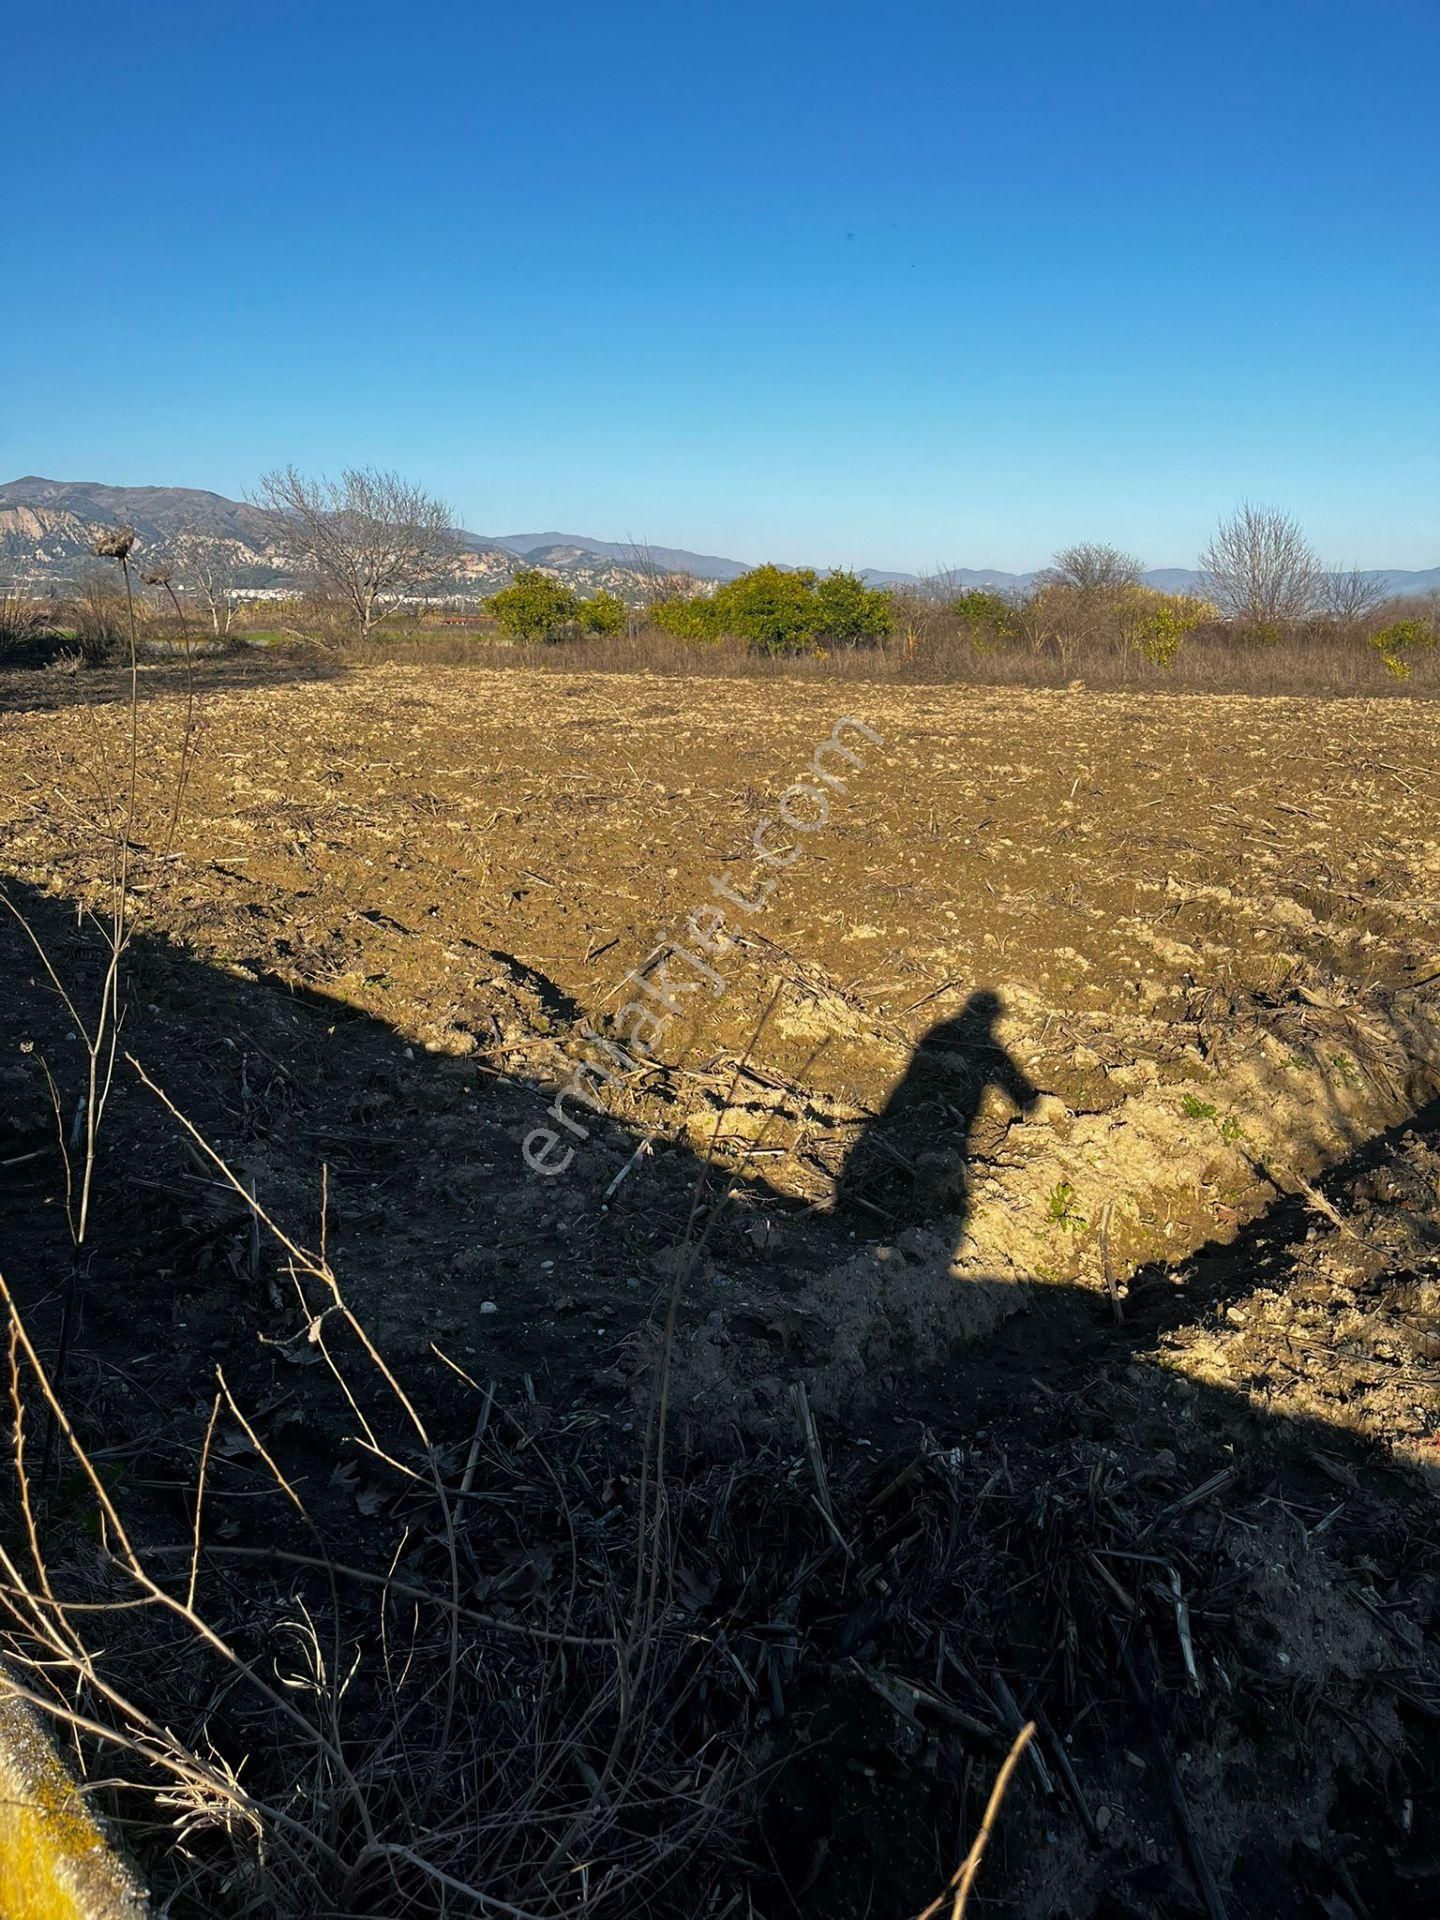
[[639, 545]]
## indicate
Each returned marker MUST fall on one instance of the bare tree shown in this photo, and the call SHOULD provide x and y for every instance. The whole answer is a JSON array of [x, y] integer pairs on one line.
[[1092, 565], [1261, 569], [650, 576], [369, 536], [211, 563], [944, 586], [1348, 595], [654, 580]]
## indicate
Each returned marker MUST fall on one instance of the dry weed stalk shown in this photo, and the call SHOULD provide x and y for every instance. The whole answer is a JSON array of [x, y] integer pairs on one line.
[[574, 1789], [161, 577], [117, 796], [963, 1879]]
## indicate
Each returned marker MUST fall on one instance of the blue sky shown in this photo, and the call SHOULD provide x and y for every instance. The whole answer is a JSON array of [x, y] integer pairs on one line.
[[921, 285]]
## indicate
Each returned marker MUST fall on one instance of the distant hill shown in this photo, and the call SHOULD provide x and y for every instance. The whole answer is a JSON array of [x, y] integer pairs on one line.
[[158, 510], [633, 553], [47, 529]]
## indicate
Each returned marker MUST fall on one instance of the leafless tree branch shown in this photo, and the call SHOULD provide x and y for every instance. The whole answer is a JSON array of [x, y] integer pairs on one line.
[[1261, 569], [370, 536]]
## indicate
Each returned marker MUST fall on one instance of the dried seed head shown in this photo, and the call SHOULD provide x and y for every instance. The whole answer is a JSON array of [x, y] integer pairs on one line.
[[159, 576], [116, 543]]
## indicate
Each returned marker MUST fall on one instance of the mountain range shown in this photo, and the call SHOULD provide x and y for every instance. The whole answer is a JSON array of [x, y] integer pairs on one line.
[[48, 528]]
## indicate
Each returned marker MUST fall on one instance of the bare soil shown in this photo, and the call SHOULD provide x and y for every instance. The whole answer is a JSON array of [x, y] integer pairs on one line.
[[1074, 1091]]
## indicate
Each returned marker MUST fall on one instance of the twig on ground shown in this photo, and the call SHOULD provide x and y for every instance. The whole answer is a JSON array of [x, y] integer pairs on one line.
[[964, 1876]]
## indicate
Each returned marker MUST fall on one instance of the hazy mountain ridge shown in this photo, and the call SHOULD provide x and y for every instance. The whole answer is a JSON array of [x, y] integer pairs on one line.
[[638, 555], [47, 528]]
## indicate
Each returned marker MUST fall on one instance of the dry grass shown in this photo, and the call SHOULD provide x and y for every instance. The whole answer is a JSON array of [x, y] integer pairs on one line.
[[565, 1687], [22, 616], [408, 1752], [418, 1754], [1326, 658], [1318, 663]]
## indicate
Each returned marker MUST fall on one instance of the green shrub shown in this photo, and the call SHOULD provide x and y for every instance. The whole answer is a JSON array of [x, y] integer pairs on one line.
[[1260, 633], [1392, 643], [688, 618], [848, 613], [1156, 625], [534, 606], [778, 611], [603, 613], [770, 609], [983, 607]]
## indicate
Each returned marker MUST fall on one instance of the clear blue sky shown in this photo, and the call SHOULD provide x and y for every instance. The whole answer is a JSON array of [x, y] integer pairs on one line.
[[922, 284]]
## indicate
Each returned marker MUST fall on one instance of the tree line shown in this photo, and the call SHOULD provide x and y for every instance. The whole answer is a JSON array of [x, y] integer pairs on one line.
[[371, 542]]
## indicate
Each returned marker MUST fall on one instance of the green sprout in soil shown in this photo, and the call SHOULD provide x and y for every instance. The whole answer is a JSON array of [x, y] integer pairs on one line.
[[1197, 1109], [1062, 1209]]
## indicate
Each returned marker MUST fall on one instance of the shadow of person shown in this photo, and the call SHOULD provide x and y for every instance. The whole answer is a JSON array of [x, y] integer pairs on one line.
[[430, 1211], [911, 1163]]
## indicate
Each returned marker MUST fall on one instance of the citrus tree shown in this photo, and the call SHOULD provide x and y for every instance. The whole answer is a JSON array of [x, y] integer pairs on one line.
[[535, 606], [849, 613], [603, 612], [770, 608], [688, 616], [987, 617]]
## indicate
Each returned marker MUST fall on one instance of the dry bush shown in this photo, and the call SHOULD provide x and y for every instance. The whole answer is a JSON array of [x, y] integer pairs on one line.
[[318, 617], [1409, 606], [99, 616], [22, 618], [931, 646], [322, 1737], [1094, 566], [1349, 595], [169, 634]]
